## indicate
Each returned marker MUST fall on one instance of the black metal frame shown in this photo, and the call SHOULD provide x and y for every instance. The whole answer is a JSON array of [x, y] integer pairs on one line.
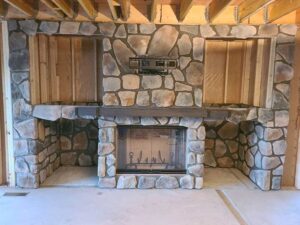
[[141, 171]]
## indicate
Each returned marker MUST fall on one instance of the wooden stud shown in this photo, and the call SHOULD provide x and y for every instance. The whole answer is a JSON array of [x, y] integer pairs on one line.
[[22, 6], [248, 7], [53, 7], [281, 8], [65, 6], [112, 9], [125, 9], [88, 7], [185, 7], [216, 7], [153, 10]]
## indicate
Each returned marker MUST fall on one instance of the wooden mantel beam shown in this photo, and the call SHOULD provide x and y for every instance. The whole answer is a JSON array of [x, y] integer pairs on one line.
[[53, 7], [88, 7], [185, 7], [216, 7], [248, 7], [23, 6], [153, 10], [280, 8], [125, 9], [112, 9], [65, 6]]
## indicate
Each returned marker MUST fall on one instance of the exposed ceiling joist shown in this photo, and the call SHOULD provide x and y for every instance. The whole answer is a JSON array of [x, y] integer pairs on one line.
[[2, 8], [216, 7], [112, 9], [281, 8], [65, 6], [125, 9], [153, 10], [88, 7], [22, 6], [185, 7], [248, 7], [53, 7]]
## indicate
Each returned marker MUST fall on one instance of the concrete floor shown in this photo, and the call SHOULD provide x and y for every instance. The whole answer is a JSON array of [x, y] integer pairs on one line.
[[228, 198]]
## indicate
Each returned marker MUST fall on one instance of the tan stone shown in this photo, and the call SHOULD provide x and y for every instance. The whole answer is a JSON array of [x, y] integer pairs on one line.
[[80, 141], [127, 98], [163, 98], [131, 81]]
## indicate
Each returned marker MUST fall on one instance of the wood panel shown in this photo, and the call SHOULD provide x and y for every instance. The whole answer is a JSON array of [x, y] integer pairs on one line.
[[2, 121]]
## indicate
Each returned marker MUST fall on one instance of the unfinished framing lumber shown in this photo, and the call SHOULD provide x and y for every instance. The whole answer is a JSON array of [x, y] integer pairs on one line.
[[22, 6], [153, 10], [248, 7], [216, 7], [125, 9], [112, 9], [88, 7], [281, 8], [65, 6], [2, 8], [185, 7], [53, 7]]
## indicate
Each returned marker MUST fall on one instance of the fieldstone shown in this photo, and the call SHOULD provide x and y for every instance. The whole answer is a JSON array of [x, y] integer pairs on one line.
[[147, 28], [122, 53], [198, 97], [106, 135], [127, 98], [220, 149], [232, 146], [25, 90], [17, 41], [265, 115], [272, 134], [279, 147], [270, 162], [200, 158], [207, 31], [27, 180], [49, 27], [85, 160], [191, 122], [111, 171], [184, 61], [146, 182], [163, 98], [222, 30], [107, 182], [258, 158], [65, 143], [276, 183], [184, 45], [281, 118], [283, 72], [286, 52], [166, 182], [110, 160], [131, 81], [249, 159], [139, 43], [243, 31], [19, 77], [109, 65], [143, 98], [147, 121], [28, 26], [160, 45], [126, 182], [174, 120], [225, 162], [284, 89], [27, 128], [191, 158], [151, 82], [198, 182], [279, 101], [194, 74], [20, 147], [163, 120], [169, 82], [252, 114], [68, 159], [67, 27], [182, 87], [51, 113], [106, 44], [278, 171], [265, 148], [127, 120], [201, 133], [198, 48], [184, 99], [191, 134], [19, 60], [132, 28], [209, 159], [101, 166], [107, 29], [110, 99], [21, 165], [228, 131], [105, 123], [87, 28], [196, 146], [290, 29], [209, 143], [268, 30], [196, 170], [121, 32], [178, 75], [187, 182], [191, 29], [21, 110], [105, 148], [12, 25], [174, 53], [111, 84], [283, 38], [80, 141], [252, 139]]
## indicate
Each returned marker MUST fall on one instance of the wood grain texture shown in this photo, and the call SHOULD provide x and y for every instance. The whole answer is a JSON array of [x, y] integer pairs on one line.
[[248, 7], [65, 6], [280, 8], [216, 7], [22, 6], [185, 7], [89, 8]]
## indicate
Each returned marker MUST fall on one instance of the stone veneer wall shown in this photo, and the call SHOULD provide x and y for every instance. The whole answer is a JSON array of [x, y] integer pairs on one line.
[[182, 88]]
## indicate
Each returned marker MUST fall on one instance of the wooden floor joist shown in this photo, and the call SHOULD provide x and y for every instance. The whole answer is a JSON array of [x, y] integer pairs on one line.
[[22, 6], [2, 8], [125, 9], [53, 8], [153, 10], [112, 9], [280, 8], [88, 7], [65, 6], [185, 7], [248, 7], [216, 7]]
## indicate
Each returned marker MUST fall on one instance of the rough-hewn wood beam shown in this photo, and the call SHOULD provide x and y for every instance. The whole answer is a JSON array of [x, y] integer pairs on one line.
[[185, 7], [153, 10], [53, 7], [65, 6], [216, 7], [125, 9], [281, 8], [112, 9], [248, 7], [22, 6], [2, 8], [88, 7]]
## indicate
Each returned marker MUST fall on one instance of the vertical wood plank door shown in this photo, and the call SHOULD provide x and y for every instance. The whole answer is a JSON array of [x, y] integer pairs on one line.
[[2, 127]]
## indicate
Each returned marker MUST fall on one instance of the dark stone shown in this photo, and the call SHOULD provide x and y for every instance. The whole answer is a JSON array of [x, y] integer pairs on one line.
[[87, 28], [283, 72], [29, 26], [287, 52], [19, 77], [107, 29], [49, 27], [17, 41], [12, 25], [279, 101], [19, 60]]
